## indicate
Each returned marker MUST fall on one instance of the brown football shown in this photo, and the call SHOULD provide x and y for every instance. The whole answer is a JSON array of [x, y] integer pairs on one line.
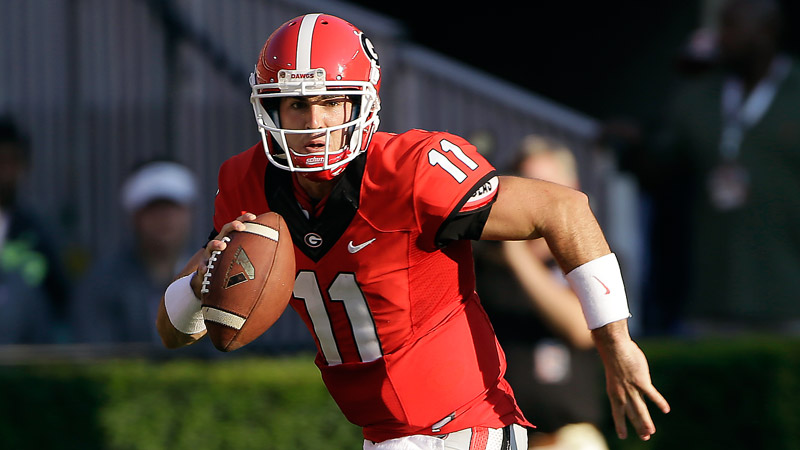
[[247, 286]]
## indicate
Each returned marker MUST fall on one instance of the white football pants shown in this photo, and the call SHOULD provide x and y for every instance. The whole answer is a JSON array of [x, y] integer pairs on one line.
[[512, 437]]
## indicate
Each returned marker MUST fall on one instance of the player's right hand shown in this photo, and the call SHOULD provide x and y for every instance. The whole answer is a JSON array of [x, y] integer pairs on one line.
[[217, 244], [628, 382]]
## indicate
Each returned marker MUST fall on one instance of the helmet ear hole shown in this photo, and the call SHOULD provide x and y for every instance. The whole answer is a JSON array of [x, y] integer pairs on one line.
[[275, 149], [356, 102], [355, 113], [272, 106]]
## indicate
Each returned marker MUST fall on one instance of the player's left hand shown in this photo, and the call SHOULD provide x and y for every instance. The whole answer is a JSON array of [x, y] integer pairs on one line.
[[628, 384]]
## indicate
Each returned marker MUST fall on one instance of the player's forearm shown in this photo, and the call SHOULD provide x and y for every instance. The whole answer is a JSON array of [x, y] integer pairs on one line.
[[171, 336], [609, 336], [573, 235], [527, 209]]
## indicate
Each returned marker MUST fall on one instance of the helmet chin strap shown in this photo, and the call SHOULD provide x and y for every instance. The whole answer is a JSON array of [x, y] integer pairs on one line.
[[323, 153], [318, 160]]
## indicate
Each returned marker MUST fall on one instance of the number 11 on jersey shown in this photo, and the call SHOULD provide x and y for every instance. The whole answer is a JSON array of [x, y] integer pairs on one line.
[[344, 289], [437, 158]]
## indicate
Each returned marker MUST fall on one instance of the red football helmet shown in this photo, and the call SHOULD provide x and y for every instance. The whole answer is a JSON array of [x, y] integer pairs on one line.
[[313, 55]]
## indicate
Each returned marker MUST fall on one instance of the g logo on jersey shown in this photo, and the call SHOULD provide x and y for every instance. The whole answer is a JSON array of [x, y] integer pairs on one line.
[[313, 240]]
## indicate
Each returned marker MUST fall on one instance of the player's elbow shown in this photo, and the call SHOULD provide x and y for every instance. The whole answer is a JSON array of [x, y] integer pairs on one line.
[[176, 339], [569, 207], [168, 339], [171, 338], [577, 201], [170, 343]]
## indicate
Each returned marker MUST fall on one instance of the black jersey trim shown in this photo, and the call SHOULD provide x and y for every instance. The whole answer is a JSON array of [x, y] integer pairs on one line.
[[465, 225], [339, 211]]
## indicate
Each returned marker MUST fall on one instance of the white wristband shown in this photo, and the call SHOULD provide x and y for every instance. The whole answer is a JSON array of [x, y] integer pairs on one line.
[[183, 308], [598, 285]]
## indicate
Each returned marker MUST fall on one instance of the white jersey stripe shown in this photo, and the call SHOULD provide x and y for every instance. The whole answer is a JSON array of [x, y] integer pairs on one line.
[[304, 42]]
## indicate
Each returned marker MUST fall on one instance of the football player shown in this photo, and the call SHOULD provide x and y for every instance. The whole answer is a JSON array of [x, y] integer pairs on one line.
[[381, 224]]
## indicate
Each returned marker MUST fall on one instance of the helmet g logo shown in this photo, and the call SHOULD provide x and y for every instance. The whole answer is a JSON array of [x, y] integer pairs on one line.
[[369, 50]]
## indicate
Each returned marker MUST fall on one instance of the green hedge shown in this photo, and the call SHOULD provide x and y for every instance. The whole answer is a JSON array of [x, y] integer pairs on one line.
[[725, 394], [275, 403], [731, 394]]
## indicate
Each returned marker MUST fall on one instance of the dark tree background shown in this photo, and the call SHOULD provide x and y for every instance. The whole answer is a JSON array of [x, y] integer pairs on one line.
[[602, 58]]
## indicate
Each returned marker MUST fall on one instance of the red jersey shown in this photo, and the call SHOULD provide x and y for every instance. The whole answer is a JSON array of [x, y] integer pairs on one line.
[[404, 346]]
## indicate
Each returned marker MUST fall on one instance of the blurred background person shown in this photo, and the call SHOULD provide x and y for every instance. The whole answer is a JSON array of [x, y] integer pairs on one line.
[[724, 164], [552, 366], [34, 285], [116, 302]]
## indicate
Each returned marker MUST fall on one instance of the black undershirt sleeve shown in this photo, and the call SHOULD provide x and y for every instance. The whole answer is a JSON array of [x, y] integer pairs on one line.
[[211, 236], [466, 225], [463, 226]]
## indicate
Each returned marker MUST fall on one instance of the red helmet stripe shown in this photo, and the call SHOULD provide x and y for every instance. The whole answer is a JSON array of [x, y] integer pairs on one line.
[[304, 41]]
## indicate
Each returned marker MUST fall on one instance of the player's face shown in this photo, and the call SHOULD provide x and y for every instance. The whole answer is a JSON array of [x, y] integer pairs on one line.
[[311, 113]]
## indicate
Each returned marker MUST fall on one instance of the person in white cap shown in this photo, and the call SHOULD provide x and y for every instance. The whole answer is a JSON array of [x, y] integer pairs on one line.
[[119, 297]]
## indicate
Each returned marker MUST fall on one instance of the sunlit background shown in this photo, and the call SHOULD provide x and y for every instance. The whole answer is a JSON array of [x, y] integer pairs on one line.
[[99, 86]]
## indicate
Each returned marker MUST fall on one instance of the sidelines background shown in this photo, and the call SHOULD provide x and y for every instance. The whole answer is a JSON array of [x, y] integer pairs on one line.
[[100, 85]]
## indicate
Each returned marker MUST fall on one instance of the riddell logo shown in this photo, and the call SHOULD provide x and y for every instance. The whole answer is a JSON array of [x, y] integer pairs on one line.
[[302, 76]]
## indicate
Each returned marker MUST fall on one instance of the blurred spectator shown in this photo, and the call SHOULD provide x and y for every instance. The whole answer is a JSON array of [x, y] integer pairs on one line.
[[552, 366], [33, 282], [698, 54], [118, 299], [725, 164]]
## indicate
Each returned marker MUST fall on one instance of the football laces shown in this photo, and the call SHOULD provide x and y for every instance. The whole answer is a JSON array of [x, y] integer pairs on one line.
[[209, 266]]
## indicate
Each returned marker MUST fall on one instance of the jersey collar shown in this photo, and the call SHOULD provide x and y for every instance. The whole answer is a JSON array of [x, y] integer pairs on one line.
[[314, 236]]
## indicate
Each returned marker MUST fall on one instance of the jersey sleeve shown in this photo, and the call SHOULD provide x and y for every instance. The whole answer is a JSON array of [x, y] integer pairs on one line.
[[224, 200], [454, 187], [240, 187], [468, 223]]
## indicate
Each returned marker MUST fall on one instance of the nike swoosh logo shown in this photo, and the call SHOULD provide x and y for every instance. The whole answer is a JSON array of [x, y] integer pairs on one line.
[[608, 291], [357, 248]]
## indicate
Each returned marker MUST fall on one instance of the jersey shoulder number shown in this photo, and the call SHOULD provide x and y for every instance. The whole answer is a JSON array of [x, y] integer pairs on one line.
[[451, 176]]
